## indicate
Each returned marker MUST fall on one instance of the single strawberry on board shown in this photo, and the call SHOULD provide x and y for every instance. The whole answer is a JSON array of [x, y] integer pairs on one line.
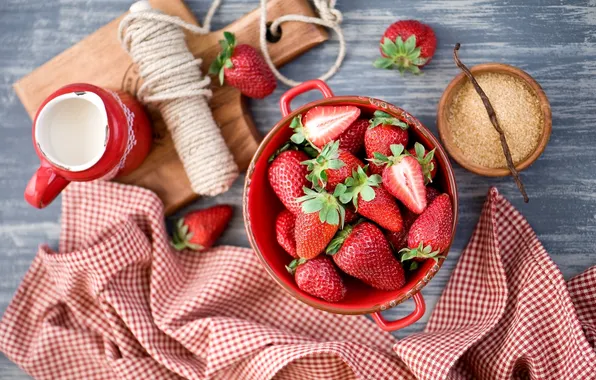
[[370, 199], [320, 218], [363, 252], [287, 177], [199, 229], [323, 124], [318, 277], [399, 240], [426, 160], [331, 167], [430, 235], [242, 66], [284, 232], [384, 130], [403, 178], [352, 139], [407, 45]]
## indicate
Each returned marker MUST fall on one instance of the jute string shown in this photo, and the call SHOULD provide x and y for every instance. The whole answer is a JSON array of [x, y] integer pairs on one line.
[[173, 82]]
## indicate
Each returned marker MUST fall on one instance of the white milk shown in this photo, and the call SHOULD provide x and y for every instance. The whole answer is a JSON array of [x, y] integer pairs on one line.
[[71, 130]]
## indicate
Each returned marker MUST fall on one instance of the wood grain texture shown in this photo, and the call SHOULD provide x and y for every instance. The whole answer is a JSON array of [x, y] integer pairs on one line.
[[553, 40], [100, 60]]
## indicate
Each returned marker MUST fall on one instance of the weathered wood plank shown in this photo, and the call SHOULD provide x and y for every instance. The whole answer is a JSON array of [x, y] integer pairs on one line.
[[553, 40]]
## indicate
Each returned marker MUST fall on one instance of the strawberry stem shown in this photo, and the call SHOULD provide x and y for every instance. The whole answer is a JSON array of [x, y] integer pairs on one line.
[[328, 159], [424, 252], [358, 184], [400, 55], [223, 59], [383, 118], [330, 210]]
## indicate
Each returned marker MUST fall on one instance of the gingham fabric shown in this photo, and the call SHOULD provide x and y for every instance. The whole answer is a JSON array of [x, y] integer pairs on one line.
[[507, 311], [117, 302]]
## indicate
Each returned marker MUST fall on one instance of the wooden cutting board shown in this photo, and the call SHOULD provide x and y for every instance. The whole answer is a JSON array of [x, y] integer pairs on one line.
[[99, 59]]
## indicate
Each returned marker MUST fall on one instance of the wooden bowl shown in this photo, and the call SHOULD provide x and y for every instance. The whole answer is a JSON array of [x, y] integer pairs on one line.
[[446, 134]]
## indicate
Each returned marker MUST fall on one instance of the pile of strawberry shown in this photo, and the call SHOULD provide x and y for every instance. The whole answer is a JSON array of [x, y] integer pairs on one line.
[[358, 196]]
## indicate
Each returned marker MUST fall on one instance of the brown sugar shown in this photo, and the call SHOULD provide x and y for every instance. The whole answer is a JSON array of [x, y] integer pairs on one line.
[[517, 108]]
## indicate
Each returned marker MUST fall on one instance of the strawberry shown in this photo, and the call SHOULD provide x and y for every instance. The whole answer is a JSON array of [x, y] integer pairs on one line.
[[284, 232], [407, 45], [363, 252], [314, 230], [370, 199], [242, 66], [199, 229], [430, 234], [352, 139], [403, 178], [331, 167], [323, 124], [399, 240], [384, 130], [426, 160], [287, 177], [318, 277], [350, 216]]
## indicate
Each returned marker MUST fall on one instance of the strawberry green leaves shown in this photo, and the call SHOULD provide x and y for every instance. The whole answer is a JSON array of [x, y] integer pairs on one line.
[[425, 161], [291, 268], [327, 159], [223, 60], [420, 252], [383, 118], [359, 184], [397, 151], [182, 236], [329, 209], [335, 244], [400, 55]]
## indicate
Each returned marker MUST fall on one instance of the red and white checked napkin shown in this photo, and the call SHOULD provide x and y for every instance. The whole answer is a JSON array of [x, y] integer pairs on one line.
[[117, 302]]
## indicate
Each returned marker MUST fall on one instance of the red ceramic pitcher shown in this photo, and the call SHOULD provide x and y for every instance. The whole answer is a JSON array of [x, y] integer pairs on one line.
[[83, 132], [261, 208]]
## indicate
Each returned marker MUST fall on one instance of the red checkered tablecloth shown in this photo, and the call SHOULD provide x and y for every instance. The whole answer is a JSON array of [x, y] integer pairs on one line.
[[117, 302]]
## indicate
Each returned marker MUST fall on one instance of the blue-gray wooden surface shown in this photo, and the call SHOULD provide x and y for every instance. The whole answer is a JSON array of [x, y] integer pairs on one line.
[[554, 40]]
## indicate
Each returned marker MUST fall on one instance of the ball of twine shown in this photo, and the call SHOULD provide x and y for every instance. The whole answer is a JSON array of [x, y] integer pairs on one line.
[[174, 84]]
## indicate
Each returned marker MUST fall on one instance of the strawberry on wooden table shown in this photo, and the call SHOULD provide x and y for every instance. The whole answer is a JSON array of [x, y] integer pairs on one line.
[[317, 223], [284, 232], [242, 66], [352, 139], [430, 235], [426, 160], [318, 277], [287, 177], [323, 124], [363, 252], [199, 229], [384, 131], [331, 167], [370, 199], [403, 178], [407, 45]]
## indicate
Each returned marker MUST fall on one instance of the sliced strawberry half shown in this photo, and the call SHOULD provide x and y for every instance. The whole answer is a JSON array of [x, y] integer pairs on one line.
[[403, 178], [323, 124]]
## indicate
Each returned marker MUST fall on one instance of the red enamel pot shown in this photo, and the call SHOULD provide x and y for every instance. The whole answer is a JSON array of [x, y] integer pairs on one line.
[[261, 207]]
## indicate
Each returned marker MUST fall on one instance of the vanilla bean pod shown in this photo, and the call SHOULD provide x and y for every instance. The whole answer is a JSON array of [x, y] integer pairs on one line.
[[493, 119]]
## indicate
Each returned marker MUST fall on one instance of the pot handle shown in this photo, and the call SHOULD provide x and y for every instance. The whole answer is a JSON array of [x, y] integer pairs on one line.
[[405, 321], [44, 186], [315, 84]]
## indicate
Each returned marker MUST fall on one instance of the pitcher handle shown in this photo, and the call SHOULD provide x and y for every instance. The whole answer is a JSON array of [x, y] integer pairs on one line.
[[315, 84], [405, 321], [44, 186]]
